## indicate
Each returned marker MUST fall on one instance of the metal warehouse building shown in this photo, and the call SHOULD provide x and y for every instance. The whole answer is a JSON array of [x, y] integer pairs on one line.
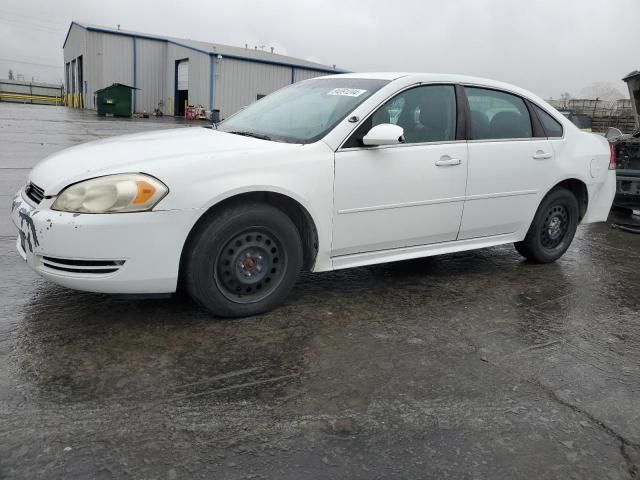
[[167, 71]]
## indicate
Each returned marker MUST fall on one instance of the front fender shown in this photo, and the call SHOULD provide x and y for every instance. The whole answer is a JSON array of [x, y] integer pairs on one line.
[[306, 178]]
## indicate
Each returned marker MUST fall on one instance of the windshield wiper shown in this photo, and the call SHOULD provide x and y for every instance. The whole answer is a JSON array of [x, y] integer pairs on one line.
[[250, 134]]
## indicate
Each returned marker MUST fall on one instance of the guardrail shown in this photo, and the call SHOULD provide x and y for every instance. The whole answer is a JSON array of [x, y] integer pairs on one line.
[[18, 97], [17, 91]]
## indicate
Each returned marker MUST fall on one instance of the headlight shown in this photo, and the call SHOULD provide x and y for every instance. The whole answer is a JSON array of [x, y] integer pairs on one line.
[[130, 192]]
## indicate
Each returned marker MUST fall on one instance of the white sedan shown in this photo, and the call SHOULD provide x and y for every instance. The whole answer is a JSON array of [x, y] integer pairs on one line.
[[329, 173]]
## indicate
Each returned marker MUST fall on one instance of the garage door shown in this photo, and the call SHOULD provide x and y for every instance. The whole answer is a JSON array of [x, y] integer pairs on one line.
[[183, 75]]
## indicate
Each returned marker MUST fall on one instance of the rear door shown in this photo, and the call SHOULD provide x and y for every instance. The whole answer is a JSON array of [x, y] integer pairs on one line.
[[508, 164]]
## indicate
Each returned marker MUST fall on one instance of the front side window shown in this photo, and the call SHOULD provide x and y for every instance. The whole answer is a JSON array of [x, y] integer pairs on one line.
[[303, 112], [551, 126], [497, 115], [426, 114]]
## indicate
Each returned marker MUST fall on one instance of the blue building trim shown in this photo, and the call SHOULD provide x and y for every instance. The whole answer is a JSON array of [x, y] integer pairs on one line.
[[135, 73], [212, 60], [293, 74], [199, 50]]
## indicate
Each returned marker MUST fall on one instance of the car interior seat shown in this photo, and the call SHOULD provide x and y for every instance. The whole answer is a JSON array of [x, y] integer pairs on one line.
[[435, 120], [480, 126], [510, 125]]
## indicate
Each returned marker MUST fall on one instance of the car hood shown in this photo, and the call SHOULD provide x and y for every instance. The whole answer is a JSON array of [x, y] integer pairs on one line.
[[137, 153]]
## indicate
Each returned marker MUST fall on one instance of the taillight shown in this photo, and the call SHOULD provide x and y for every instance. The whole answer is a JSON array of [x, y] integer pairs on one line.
[[612, 158]]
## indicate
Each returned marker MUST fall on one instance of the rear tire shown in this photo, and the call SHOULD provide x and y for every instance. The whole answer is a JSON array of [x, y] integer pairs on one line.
[[553, 228], [244, 261]]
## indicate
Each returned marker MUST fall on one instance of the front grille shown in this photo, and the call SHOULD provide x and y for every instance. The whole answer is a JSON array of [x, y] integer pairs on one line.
[[34, 192], [96, 267]]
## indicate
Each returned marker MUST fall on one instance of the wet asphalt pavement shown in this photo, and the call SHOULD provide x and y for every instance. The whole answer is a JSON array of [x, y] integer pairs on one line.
[[473, 365]]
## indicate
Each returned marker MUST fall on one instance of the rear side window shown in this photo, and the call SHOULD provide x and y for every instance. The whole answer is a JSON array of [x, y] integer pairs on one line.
[[551, 126], [497, 115]]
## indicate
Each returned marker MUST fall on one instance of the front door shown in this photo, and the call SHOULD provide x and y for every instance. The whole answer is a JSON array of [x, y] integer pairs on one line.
[[402, 195]]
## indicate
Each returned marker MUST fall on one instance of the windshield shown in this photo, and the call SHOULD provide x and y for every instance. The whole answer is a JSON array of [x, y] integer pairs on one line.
[[303, 112]]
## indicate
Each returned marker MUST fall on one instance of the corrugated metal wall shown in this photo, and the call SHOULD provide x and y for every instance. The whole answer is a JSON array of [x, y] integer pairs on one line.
[[117, 58], [302, 74], [108, 59], [238, 83], [92, 68], [76, 43], [151, 59], [76, 46], [198, 76]]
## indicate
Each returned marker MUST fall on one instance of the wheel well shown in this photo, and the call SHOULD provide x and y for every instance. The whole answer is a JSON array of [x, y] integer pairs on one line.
[[579, 190], [293, 209]]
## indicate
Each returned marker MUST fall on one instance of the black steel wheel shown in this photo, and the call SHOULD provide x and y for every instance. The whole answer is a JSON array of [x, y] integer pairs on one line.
[[553, 228], [250, 266], [243, 260]]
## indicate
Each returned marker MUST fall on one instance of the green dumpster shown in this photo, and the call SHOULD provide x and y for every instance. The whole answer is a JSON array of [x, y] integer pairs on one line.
[[115, 100]]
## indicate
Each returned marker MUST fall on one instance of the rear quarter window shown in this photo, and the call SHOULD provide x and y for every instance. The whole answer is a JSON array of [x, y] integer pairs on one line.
[[551, 126]]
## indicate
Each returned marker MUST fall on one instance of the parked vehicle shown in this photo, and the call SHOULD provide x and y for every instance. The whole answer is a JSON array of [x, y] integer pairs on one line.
[[325, 174], [580, 120], [627, 149]]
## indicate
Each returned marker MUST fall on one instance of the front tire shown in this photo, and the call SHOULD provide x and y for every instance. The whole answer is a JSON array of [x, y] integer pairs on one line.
[[552, 229], [243, 261]]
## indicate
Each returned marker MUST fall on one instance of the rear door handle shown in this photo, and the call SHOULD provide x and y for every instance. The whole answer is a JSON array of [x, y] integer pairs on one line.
[[540, 155], [447, 161]]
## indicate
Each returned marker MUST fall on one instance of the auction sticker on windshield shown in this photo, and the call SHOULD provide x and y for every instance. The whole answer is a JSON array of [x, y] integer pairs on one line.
[[347, 92]]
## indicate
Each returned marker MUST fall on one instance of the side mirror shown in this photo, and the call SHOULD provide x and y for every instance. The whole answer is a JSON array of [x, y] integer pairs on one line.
[[613, 134], [384, 134]]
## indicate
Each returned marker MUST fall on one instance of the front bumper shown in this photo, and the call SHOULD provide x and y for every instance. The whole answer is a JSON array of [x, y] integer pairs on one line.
[[112, 253]]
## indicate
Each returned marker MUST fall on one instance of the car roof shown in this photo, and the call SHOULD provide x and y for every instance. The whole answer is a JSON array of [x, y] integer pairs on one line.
[[427, 77], [442, 77]]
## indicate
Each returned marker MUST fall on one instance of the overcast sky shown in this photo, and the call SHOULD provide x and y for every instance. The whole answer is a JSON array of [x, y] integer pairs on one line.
[[547, 46]]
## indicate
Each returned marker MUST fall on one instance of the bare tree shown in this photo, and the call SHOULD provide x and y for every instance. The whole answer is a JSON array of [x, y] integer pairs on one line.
[[603, 91], [11, 74], [565, 97]]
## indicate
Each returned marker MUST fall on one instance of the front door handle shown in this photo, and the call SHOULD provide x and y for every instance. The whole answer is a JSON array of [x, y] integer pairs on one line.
[[540, 155], [447, 161]]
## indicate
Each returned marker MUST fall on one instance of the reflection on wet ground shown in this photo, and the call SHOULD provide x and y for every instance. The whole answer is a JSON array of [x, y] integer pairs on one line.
[[474, 365]]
